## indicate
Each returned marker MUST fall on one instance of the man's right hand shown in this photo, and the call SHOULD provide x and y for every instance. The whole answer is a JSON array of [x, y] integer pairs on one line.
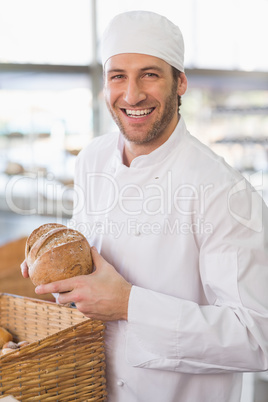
[[24, 269]]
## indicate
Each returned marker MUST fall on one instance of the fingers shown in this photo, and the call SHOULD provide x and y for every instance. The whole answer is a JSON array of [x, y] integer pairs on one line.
[[66, 285], [24, 269], [65, 299], [55, 287]]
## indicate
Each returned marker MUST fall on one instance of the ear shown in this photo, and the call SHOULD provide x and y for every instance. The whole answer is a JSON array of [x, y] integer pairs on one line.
[[182, 84]]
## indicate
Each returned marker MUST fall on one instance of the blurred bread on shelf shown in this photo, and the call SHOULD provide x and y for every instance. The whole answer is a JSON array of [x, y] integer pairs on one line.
[[13, 168], [72, 151]]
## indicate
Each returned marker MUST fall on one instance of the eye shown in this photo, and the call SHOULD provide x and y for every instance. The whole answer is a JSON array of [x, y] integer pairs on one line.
[[117, 77], [150, 75]]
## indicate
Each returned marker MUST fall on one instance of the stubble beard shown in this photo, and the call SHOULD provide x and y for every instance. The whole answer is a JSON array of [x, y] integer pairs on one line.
[[158, 127]]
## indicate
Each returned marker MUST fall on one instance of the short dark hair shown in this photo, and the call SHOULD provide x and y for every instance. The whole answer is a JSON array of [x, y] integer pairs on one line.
[[176, 75]]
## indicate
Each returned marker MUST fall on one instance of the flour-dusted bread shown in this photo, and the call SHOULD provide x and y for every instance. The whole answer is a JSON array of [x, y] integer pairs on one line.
[[54, 252]]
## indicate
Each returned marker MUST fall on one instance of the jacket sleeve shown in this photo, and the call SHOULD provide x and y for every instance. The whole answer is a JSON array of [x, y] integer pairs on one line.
[[230, 333]]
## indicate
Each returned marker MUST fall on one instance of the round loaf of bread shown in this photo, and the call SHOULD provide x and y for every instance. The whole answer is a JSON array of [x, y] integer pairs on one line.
[[54, 252]]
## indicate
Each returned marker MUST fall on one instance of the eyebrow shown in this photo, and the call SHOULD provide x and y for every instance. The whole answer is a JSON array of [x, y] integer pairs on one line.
[[151, 67], [115, 70]]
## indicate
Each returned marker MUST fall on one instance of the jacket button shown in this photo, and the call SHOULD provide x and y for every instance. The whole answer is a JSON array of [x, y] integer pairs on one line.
[[120, 383]]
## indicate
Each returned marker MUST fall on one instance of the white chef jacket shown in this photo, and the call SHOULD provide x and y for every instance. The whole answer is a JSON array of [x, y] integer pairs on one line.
[[190, 234]]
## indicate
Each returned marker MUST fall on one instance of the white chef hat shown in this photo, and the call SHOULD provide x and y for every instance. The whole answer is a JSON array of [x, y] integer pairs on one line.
[[144, 32]]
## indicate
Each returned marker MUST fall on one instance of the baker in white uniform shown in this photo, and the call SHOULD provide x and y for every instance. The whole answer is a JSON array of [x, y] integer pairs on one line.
[[181, 273]]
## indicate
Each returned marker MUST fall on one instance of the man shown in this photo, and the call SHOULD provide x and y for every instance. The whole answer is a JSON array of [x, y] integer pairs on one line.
[[181, 267]]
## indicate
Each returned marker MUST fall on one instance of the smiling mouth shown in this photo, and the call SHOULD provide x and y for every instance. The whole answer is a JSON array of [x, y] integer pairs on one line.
[[138, 113]]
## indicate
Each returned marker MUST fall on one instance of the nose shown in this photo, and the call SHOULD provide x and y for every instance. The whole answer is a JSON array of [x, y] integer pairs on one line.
[[133, 93]]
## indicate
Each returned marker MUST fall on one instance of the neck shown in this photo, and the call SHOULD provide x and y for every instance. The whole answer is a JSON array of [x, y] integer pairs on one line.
[[132, 150]]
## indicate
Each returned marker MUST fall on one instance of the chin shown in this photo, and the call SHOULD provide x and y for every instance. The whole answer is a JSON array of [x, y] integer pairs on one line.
[[138, 140]]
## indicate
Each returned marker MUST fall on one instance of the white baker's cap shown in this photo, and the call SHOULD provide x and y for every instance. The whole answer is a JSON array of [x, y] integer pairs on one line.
[[144, 32]]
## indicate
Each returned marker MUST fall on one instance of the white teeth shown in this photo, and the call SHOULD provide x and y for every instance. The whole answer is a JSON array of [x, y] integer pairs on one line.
[[133, 113]]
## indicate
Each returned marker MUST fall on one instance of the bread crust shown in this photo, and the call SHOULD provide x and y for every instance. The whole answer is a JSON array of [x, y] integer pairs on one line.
[[37, 233], [54, 252]]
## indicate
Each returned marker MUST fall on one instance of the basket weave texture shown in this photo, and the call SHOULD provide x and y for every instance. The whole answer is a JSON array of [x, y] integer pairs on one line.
[[65, 359]]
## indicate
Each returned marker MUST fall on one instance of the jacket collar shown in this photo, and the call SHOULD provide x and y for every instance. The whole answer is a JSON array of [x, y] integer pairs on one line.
[[158, 154]]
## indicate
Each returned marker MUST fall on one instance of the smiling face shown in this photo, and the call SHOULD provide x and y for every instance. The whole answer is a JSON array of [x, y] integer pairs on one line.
[[142, 96]]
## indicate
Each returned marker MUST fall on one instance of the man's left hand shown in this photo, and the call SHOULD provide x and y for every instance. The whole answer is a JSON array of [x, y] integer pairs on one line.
[[102, 295]]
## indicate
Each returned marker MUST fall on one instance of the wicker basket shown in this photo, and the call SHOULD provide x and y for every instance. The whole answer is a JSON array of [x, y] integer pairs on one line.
[[65, 358]]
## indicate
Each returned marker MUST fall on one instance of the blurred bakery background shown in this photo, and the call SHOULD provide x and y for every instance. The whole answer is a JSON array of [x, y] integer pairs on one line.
[[51, 102]]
